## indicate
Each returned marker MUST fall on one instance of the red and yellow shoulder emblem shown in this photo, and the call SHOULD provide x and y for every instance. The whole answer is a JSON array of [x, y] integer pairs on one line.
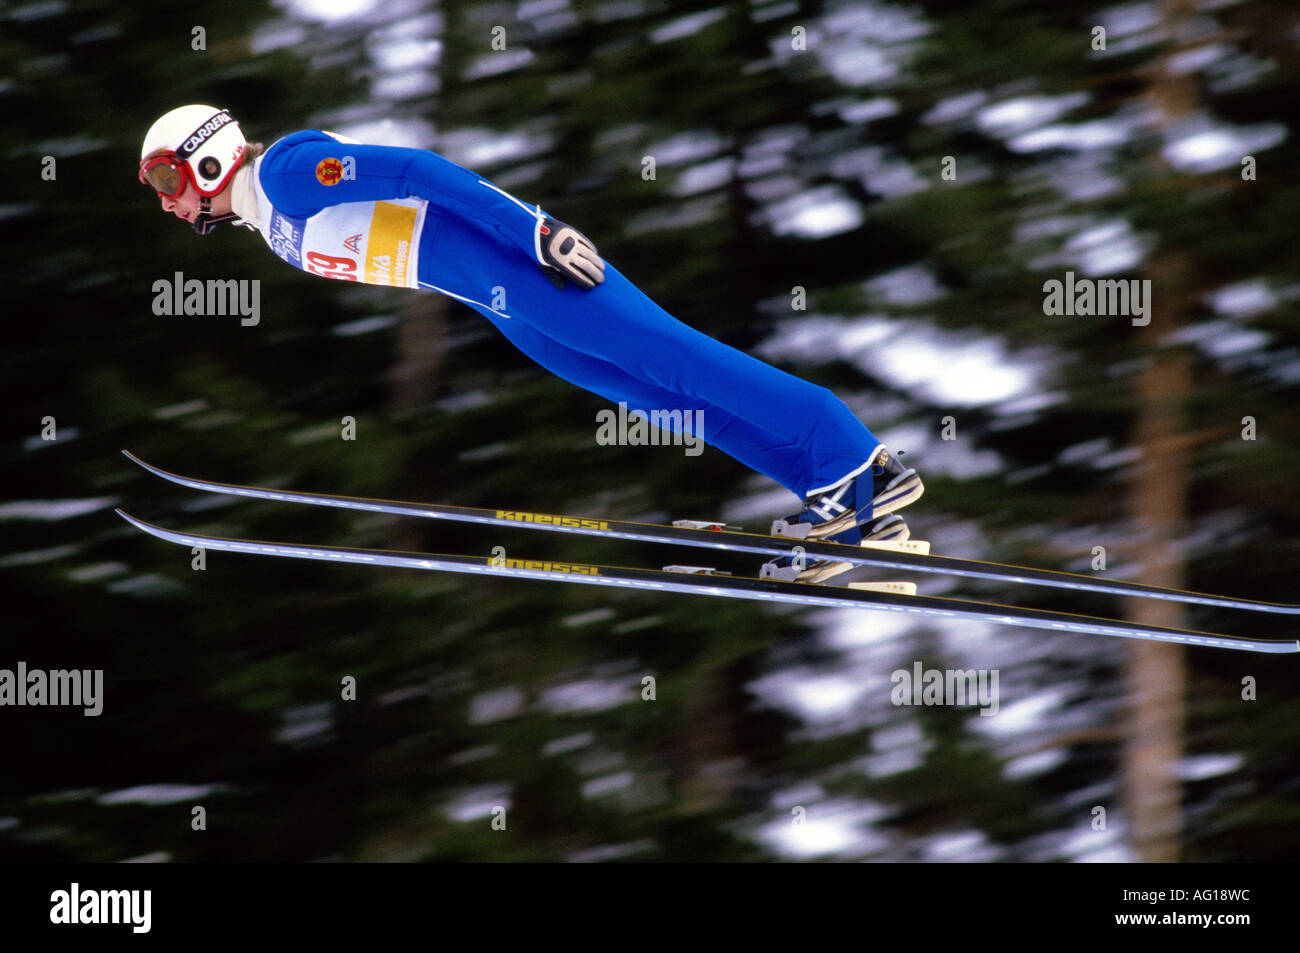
[[329, 171]]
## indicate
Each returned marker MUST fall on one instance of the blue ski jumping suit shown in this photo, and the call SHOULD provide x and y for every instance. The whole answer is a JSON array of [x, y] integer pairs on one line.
[[350, 211]]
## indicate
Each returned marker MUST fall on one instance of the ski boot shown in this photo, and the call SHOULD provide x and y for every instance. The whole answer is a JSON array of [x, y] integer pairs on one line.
[[852, 511], [883, 486]]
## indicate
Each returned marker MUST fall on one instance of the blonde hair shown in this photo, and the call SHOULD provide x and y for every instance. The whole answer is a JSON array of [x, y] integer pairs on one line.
[[251, 151]]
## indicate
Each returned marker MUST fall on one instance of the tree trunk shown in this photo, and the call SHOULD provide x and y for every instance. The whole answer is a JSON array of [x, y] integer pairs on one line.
[[1155, 672]]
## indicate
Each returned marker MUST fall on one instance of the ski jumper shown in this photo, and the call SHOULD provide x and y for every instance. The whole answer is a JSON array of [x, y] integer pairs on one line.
[[409, 218]]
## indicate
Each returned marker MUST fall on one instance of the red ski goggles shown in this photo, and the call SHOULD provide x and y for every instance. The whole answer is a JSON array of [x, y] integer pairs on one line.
[[165, 174]]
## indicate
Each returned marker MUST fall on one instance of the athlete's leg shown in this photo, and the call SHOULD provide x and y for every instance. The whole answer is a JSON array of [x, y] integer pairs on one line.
[[756, 447], [619, 325]]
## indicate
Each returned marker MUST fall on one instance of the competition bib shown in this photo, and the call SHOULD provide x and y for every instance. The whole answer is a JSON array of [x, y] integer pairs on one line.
[[375, 243]]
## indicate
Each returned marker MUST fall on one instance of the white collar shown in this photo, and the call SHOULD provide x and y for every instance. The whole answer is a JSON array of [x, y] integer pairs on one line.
[[243, 195]]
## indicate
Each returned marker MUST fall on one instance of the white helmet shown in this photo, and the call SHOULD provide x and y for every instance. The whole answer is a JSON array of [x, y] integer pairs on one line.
[[194, 144]]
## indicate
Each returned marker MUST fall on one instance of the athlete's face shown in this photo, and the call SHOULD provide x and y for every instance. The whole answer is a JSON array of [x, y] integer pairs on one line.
[[185, 205]]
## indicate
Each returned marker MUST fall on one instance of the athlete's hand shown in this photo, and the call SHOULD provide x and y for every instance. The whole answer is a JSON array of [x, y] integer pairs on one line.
[[568, 251]]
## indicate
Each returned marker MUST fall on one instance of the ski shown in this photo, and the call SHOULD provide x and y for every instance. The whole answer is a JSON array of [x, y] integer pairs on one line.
[[736, 587], [709, 535]]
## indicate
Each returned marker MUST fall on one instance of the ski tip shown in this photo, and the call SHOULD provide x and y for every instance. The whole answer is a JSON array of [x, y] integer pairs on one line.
[[134, 521], [146, 466], [156, 531]]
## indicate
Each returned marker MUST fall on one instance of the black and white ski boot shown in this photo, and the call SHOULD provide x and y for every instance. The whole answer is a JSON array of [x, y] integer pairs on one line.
[[882, 486], [853, 511]]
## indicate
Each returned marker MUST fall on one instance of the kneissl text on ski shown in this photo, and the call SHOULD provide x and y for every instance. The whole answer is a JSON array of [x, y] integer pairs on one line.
[[891, 597], [909, 555]]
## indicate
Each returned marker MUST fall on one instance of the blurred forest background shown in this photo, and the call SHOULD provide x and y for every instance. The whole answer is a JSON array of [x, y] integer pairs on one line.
[[776, 166]]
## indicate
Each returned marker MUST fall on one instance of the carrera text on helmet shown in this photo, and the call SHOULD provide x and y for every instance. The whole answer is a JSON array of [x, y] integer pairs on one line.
[[201, 135]]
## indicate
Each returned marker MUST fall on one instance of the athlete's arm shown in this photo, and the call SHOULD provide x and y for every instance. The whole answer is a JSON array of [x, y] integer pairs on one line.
[[309, 171]]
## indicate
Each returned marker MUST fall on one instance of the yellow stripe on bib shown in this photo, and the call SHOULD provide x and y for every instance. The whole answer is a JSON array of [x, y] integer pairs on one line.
[[392, 230]]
